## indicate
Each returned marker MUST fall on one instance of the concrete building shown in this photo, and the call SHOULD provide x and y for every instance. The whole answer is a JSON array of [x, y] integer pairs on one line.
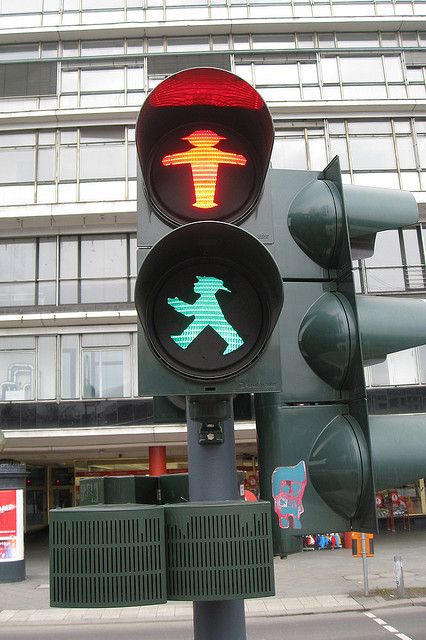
[[342, 77]]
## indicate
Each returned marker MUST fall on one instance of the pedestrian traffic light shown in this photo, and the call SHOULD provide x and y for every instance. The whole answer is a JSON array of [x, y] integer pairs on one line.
[[208, 292], [318, 448]]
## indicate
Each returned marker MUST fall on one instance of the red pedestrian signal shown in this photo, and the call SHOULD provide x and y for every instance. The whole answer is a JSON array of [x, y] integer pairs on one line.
[[204, 139], [204, 160]]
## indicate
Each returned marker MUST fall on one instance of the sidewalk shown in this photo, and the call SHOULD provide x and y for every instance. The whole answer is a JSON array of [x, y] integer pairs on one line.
[[309, 582]]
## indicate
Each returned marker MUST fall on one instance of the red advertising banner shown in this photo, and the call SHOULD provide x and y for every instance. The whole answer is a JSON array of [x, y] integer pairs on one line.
[[11, 525]]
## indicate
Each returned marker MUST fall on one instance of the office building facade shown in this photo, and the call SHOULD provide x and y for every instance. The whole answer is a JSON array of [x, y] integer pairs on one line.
[[340, 77]]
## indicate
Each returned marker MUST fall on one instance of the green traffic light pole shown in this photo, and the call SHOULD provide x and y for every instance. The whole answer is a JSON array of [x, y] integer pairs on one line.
[[212, 477]]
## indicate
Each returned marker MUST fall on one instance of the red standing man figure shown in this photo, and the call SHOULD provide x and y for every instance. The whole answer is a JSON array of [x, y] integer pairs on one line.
[[204, 159]]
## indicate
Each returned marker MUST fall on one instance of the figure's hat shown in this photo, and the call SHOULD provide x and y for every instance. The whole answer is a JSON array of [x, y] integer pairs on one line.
[[204, 138], [212, 283]]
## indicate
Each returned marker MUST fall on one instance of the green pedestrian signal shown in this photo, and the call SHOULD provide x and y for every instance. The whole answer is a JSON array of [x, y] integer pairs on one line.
[[206, 312]]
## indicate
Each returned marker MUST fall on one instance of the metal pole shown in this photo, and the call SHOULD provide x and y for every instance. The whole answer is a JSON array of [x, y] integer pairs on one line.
[[364, 563], [399, 577], [213, 476]]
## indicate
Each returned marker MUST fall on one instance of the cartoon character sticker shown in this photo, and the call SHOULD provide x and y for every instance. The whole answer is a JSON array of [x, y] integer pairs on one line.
[[288, 487]]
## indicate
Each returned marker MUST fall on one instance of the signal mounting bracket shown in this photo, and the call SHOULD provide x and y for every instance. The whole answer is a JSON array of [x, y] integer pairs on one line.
[[210, 411]]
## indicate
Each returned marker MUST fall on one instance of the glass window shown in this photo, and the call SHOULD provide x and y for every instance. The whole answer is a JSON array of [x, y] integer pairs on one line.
[[393, 69], [278, 41], [407, 159], [369, 126], [329, 69], [69, 366], [46, 164], [385, 280], [106, 373], [102, 161], [377, 179], [47, 271], [68, 163], [369, 152], [70, 49], [422, 359], [14, 138], [188, 44], [68, 288], [17, 260], [357, 39], [17, 368], [289, 153], [317, 153], [19, 51], [326, 40], [135, 78], [361, 69], [421, 144], [104, 269], [380, 374], [28, 79], [277, 74], [241, 42], [338, 147], [102, 80], [389, 39], [17, 165], [403, 367], [409, 39], [102, 47], [46, 367], [309, 73], [387, 250], [103, 257], [411, 246]]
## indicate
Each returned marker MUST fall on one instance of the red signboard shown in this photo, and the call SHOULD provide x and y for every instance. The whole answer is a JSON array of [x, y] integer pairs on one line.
[[11, 525]]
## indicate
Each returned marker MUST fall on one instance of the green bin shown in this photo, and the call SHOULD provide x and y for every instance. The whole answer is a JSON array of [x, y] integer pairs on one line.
[[219, 550], [118, 490], [92, 491], [107, 556], [174, 487]]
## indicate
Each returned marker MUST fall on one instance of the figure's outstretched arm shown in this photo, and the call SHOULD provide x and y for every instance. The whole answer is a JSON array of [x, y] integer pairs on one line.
[[182, 307], [177, 158]]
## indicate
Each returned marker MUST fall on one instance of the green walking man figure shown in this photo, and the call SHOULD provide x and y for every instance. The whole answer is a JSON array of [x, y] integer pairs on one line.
[[207, 312]]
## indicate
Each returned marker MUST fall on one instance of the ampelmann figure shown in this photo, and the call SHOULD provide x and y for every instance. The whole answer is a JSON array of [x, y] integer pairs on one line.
[[204, 159], [207, 313]]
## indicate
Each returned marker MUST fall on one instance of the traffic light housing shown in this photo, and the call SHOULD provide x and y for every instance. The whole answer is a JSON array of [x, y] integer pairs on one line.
[[208, 292], [316, 459]]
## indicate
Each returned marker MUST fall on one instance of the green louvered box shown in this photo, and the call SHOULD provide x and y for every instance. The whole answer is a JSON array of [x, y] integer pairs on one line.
[[107, 556], [118, 490], [219, 550]]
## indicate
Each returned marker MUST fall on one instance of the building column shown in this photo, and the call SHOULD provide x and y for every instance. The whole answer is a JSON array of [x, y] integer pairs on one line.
[[157, 461]]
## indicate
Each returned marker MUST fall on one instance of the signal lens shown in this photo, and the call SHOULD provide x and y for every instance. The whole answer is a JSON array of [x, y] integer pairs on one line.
[[204, 138], [206, 86], [202, 174]]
